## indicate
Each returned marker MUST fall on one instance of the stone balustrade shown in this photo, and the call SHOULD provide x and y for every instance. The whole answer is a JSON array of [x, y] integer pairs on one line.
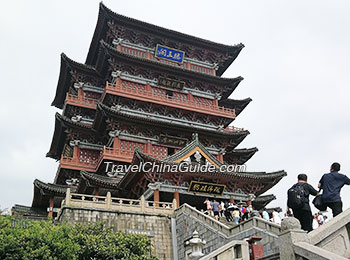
[[117, 204], [234, 250], [331, 241], [268, 227]]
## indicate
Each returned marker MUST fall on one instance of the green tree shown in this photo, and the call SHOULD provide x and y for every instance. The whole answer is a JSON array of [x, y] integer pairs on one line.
[[29, 240]]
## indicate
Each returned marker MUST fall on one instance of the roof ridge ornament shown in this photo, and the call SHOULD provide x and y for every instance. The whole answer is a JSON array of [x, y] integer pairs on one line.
[[195, 137]]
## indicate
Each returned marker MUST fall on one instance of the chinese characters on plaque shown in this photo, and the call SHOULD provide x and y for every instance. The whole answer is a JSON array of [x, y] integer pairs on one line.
[[168, 53], [206, 187], [171, 83], [172, 140]]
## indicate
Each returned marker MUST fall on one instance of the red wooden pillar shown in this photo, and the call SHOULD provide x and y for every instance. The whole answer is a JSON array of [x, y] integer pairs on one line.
[[177, 198], [148, 88], [249, 202], [116, 144], [76, 151], [232, 200], [148, 148], [96, 191], [190, 98], [156, 197], [118, 81], [80, 93], [51, 207]]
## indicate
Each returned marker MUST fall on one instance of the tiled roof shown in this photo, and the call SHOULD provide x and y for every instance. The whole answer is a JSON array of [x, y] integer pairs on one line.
[[68, 65], [238, 105], [239, 175], [189, 147], [240, 155], [52, 189], [61, 124], [260, 202], [100, 71], [99, 180], [105, 110], [110, 51], [28, 211], [106, 15]]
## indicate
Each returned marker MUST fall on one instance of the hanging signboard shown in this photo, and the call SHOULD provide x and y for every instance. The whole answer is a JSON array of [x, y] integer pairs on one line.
[[170, 83], [172, 140], [168, 53], [206, 188]]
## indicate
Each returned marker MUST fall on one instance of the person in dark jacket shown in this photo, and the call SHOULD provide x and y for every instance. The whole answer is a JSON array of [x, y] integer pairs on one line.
[[331, 184], [304, 214]]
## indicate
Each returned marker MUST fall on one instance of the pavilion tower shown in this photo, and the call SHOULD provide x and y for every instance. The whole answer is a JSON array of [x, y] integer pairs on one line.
[[150, 94]]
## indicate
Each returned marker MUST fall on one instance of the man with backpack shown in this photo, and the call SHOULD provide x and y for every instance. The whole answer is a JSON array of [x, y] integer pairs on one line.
[[298, 201]]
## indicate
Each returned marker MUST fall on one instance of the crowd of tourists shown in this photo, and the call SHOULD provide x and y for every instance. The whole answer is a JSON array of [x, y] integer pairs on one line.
[[228, 210], [319, 219], [231, 212], [237, 212]]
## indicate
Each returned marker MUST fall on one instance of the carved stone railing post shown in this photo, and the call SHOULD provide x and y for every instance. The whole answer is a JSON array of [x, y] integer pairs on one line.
[[68, 196], [291, 233], [174, 204], [108, 200], [143, 204]]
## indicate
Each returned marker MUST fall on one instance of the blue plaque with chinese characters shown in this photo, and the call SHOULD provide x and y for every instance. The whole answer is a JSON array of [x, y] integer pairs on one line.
[[171, 54]]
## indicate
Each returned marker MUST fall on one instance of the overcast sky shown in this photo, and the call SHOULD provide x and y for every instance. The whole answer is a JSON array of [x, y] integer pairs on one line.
[[296, 68]]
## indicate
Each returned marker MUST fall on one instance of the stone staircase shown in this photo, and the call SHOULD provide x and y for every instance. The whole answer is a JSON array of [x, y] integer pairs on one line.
[[331, 241], [218, 233]]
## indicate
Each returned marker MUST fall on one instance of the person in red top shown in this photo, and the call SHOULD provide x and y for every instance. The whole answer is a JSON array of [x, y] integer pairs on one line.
[[207, 202]]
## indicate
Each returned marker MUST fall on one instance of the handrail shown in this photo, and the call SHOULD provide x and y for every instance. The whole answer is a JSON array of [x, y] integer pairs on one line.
[[227, 230], [309, 251]]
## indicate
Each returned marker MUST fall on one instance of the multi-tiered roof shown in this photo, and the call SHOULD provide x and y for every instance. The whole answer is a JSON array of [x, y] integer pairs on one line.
[[125, 104]]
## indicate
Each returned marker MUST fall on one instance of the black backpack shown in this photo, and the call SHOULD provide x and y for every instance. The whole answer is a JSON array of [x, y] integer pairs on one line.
[[296, 197]]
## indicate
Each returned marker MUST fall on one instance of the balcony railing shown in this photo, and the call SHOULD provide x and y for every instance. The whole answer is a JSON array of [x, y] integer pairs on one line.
[[156, 152], [116, 151], [125, 153], [79, 100], [233, 129], [78, 163], [134, 91]]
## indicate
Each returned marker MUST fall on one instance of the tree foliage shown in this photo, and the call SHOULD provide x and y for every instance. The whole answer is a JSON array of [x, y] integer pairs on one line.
[[29, 240]]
